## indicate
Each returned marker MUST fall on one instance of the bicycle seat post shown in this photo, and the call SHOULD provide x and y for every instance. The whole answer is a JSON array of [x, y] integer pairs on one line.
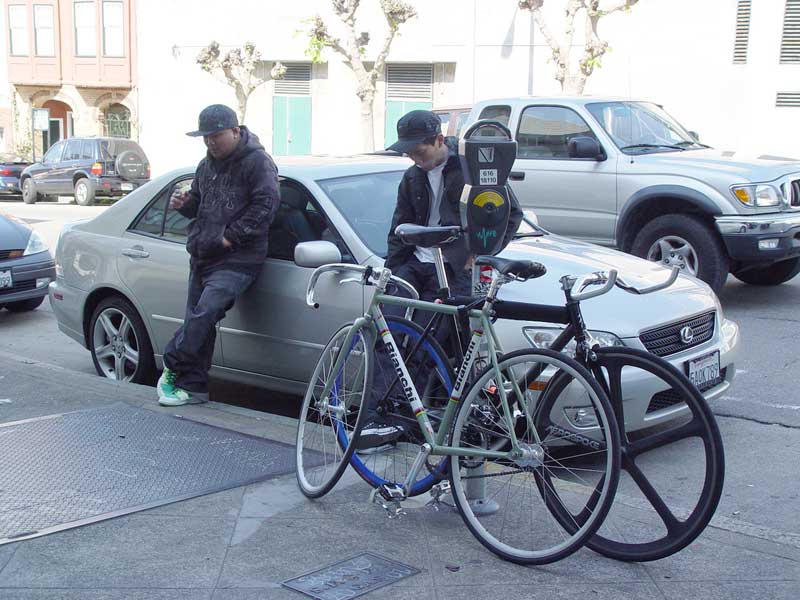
[[441, 274]]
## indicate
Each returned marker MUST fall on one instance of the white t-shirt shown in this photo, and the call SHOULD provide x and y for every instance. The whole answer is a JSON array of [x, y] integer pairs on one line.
[[436, 181]]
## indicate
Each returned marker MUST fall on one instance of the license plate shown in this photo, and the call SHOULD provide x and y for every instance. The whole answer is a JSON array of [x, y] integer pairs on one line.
[[704, 371], [126, 187], [6, 281]]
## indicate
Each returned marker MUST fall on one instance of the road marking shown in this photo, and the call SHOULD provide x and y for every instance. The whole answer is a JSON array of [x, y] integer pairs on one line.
[[770, 404]]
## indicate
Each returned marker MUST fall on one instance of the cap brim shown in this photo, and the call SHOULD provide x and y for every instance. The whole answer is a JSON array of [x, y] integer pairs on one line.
[[406, 146], [201, 133]]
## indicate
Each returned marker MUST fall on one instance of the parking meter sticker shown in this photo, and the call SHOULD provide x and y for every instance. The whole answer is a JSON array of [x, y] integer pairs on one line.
[[486, 155], [485, 198], [488, 176]]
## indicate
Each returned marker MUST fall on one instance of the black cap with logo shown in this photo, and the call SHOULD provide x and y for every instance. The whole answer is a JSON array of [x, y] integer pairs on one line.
[[414, 128], [214, 118]]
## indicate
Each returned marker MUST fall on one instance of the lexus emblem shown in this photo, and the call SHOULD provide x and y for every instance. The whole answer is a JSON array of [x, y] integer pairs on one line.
[[687, 335]]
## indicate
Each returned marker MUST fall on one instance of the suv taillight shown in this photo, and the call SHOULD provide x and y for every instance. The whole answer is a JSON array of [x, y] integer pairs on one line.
[[147, 171], [97, 169], [5, 171]]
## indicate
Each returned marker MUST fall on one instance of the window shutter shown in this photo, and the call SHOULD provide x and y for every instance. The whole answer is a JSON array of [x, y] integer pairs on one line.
[[410, 81], [788, 99], [296, 81], [742, 32], [790, 44]]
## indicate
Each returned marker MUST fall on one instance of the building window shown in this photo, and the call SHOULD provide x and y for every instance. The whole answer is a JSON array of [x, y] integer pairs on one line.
[[113, 38], [18, 29], [117, 121], [85, 34], [43, 28]]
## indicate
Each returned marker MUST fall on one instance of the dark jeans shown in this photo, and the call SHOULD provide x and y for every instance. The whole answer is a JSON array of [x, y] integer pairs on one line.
[[190, 350], [423, 277]]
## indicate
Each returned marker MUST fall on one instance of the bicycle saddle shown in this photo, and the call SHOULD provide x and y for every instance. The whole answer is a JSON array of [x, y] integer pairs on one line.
[[521, 269], [427, 237]]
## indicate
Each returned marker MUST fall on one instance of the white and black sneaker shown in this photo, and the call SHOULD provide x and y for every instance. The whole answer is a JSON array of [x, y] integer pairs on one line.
[[376, 435]]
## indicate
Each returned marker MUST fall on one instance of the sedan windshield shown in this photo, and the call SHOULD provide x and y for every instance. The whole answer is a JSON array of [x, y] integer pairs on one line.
[[641, 127], [367, 202]]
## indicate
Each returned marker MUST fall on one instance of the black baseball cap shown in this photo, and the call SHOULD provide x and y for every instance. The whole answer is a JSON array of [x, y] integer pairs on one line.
[[414, 128], [214, 118]]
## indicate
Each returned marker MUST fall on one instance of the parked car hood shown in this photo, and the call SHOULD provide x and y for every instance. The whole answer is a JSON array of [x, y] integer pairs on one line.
[[623, 313], [14, 233], [741, 168]]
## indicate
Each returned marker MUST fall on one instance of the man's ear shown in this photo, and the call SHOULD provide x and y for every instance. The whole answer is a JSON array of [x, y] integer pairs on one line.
[[440, 139], [236, 131]]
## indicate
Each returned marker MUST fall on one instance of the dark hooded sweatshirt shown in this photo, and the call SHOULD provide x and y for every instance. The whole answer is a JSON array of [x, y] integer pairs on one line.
[[235, 198]]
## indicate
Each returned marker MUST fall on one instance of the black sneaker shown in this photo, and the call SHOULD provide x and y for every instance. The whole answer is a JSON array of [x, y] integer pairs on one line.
[[375, 434]]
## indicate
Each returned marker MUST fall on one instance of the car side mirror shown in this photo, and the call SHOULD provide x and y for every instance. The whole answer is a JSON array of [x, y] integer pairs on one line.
[[315, 254], [695, 135], [583, 146]]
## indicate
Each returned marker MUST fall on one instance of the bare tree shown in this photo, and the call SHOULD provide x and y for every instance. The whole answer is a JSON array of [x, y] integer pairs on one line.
[[353, 50], [573, 81], [236, 68]]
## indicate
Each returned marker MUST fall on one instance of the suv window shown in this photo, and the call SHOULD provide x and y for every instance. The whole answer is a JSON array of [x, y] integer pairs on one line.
[[73, 150], [54, 153], [87, 150], [110, 149], [500, 113], [545, 131]]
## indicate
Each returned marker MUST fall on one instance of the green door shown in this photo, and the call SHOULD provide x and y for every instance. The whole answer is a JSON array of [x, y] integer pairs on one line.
[[291, 125], [396, 109]]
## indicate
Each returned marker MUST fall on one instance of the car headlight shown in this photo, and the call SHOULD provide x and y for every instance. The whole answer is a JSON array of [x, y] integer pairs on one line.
[[35, 244], [543, 337], [758, 195]]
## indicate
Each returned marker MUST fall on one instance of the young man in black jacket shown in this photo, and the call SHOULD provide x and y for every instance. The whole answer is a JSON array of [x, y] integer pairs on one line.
[[429, 194], [233, 200]]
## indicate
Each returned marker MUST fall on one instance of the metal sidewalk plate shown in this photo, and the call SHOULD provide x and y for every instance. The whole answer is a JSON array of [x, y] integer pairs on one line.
[[351, 578], [63, 471]]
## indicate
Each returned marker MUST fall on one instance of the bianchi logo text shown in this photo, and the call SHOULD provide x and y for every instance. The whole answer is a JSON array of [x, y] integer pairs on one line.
[[407, 388]]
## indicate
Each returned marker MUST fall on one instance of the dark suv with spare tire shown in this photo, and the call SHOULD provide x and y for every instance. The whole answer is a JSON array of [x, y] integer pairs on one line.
[[86, 168]]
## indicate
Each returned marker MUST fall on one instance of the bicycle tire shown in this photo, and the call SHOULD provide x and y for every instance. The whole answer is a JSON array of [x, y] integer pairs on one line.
[[632, 540], [588, 492], [330, 427], [391, 465]]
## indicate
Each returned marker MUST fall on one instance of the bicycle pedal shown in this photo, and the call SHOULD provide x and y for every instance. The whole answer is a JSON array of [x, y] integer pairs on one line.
[[437, 492], [392, 492], [392, 506]]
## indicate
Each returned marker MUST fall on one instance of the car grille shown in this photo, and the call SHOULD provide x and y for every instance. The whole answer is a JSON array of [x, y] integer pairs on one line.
[[21, 286], [795, 201], [670, 397], [664, 341], [6, 254]]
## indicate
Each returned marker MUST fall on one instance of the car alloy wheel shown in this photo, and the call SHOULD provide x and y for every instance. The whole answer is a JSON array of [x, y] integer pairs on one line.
[[116, 345], [674, 251]]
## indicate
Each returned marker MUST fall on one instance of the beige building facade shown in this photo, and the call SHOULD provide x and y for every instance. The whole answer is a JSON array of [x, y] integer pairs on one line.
[[76, 58]]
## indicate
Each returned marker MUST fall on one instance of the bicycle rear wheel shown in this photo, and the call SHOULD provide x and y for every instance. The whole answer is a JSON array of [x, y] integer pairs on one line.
[[328, 423], [433, 379], [505, 501], [672, 472]]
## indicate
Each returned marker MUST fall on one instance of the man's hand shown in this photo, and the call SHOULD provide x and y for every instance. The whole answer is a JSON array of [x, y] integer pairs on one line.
[[225, 243], [470, 262], [178, 199]]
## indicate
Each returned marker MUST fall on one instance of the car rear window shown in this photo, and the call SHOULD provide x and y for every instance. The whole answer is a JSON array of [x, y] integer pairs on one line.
[[110, 149]]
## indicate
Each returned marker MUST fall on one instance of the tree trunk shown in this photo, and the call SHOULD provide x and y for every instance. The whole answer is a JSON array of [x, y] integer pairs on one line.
[[367, 126]]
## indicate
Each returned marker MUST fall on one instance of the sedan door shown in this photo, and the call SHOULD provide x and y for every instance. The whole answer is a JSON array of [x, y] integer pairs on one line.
[[42, 174], [271, 330], [574, 197], [154, 265], [61, 175]]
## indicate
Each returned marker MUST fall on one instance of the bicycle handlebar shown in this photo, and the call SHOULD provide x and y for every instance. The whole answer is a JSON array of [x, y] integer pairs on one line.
[[360, 269], [653, 288], [611, 279]]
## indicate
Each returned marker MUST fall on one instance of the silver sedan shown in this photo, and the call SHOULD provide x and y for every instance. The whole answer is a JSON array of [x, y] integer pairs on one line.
[[122, 280]]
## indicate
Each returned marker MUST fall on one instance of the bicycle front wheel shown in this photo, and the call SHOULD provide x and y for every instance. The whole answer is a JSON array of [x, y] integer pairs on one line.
[[507, 502], [330, 422]]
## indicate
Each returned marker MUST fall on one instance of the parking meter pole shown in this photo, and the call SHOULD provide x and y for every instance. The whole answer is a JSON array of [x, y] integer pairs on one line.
[[441, 274], [486, 161]]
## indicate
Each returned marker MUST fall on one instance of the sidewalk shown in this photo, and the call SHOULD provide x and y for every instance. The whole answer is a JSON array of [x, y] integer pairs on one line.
[[242, 543]]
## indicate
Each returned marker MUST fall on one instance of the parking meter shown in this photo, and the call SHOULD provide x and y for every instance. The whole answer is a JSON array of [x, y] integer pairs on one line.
[[486, 162]]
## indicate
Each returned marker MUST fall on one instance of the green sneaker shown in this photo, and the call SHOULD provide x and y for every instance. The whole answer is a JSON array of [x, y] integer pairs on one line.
[[166, 383], [179, 397]]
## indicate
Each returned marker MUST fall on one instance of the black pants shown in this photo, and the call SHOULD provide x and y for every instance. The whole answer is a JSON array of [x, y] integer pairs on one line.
[[423, 277], [190, 350]]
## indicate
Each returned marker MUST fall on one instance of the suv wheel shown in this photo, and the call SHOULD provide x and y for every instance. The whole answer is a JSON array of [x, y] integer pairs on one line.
[[84, 192], [772, 275], [29, 193], [687, 242], [119, 343]]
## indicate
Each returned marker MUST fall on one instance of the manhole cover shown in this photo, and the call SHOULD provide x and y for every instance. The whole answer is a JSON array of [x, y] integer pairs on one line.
[[62, 471], [351, 578]]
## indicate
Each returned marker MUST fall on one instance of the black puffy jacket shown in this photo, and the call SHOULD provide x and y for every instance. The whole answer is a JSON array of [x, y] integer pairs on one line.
[[414, 205], [235, 198]]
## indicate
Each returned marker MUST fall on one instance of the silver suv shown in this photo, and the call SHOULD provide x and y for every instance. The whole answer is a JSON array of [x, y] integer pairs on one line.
[[626, 174]]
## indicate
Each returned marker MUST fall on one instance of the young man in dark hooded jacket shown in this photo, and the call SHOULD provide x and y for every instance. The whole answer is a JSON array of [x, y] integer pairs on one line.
[[429, 194], [233, 200]]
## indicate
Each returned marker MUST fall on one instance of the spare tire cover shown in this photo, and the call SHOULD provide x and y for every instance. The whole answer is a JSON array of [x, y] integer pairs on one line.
[[131, 165]]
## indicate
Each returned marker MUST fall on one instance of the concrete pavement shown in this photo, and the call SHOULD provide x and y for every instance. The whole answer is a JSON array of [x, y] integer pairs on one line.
[[242, 543]]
